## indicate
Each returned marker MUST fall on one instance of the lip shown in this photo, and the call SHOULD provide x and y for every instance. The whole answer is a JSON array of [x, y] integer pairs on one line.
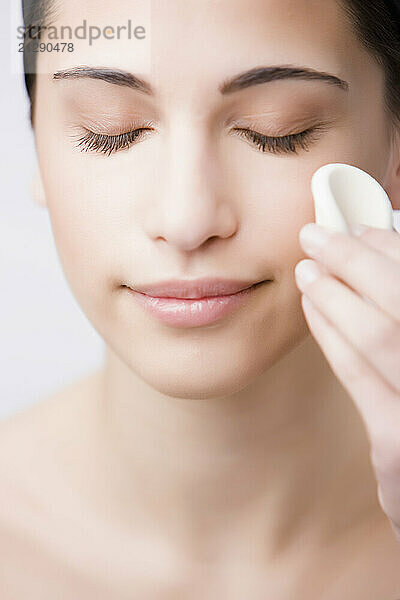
[[199, 302], [195, 288]]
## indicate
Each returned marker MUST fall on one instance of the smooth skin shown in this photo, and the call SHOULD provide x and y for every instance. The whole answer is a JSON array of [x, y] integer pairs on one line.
[[228, 461]]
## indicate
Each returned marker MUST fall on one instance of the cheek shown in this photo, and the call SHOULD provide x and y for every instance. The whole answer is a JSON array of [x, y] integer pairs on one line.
[[85, 228], [273, 198]]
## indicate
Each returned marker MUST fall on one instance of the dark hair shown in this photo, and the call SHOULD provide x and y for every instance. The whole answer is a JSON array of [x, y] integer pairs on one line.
[[376, 23], [36, 14]]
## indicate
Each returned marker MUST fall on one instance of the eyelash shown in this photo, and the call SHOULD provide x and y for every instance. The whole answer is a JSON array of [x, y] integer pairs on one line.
[[108, 144], [286, 144]]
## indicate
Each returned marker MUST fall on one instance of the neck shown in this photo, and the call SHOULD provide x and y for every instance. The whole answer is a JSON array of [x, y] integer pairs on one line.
[[273, 462]]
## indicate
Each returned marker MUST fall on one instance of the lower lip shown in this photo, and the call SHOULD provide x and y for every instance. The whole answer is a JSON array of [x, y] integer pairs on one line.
[[193, 312]]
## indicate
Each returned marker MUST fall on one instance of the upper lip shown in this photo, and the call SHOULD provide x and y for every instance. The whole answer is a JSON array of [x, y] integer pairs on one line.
[[194, 288]]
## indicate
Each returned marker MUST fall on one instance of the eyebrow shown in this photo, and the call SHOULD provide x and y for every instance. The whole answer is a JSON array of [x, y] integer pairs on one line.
[[114, 76], [246, 79], [266, 74]]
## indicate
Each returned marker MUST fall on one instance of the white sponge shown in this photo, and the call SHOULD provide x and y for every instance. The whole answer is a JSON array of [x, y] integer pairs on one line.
[[345, 195]]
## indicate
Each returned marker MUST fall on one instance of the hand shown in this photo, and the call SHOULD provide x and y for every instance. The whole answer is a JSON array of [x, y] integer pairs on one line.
[[351, 302]]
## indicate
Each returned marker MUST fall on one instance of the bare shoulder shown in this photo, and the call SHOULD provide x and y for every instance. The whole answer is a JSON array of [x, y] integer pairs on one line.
[[33, 440], [36, 421], [38, 449], [365, 564], [382, 552]]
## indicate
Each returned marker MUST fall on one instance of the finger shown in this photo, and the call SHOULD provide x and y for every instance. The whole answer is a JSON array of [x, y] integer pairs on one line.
[[368, 329], [382, 240], [362, 267], [374, 399]]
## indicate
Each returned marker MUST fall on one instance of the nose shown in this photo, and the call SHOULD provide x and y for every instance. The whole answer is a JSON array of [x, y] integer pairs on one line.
[[191, 206]]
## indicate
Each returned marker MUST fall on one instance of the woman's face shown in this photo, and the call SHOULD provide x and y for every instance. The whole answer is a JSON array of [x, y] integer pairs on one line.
[[194, 197]]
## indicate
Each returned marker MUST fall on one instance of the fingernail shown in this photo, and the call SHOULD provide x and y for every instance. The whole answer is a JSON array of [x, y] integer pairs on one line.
[[306, 271], [313, 237]]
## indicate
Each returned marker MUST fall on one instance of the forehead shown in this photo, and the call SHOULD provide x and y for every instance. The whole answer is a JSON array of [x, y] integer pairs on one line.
[[203, 41]]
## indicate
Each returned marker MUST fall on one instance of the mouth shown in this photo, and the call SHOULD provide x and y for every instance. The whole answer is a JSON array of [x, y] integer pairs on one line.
[[194, 311], [195, 289]]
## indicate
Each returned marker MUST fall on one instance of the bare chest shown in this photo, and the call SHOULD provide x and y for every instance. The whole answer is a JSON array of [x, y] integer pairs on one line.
[[43, 556]]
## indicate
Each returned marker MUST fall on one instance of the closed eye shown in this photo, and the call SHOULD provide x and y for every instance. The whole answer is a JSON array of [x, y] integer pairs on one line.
[[107, 144], [290, 143]]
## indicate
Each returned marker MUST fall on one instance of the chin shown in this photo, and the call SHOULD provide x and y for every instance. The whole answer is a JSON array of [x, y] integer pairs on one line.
[[193, 371], [205, 362]]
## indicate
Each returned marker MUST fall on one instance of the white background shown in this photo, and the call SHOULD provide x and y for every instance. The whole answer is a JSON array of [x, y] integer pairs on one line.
[[46, 340]]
